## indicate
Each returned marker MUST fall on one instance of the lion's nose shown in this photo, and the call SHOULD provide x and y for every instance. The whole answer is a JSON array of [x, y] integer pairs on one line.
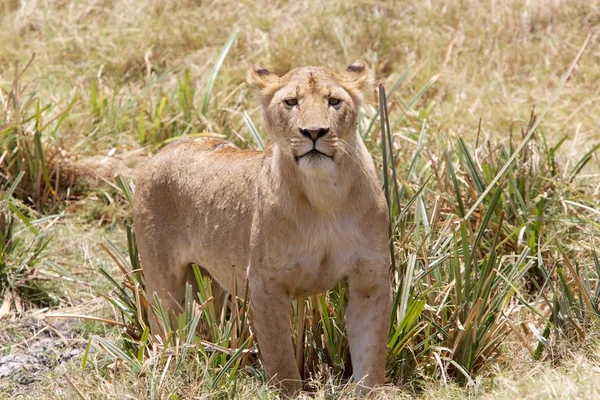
[[314, 133]]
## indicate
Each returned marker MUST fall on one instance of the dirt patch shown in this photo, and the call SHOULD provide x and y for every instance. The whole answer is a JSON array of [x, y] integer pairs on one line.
[[31, 346]]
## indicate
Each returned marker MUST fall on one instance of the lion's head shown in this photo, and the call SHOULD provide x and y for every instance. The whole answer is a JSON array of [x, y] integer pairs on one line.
[[311, 111]]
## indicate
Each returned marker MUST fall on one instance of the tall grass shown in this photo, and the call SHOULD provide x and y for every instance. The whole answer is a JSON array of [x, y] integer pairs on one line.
[[30, 132], [157, 116], [24, 271]]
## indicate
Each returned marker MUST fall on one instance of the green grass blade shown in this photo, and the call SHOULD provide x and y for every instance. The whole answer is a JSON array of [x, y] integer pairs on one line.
[[253, 131], [238, 354], [384, 124], [461, 206], [396, 86], [125, 188], [472, 168], [491, 210], [128, 361], [86, 353], [215, 71], [421, 92], [22, 217], [8, 194], [582, 162]]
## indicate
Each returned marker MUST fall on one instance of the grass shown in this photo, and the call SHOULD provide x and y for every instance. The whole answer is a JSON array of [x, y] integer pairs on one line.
[[494, 208], [23, 267], [29, 143]]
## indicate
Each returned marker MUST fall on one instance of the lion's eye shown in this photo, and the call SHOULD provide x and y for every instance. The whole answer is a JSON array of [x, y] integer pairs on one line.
[[291, 102], [334, 102]]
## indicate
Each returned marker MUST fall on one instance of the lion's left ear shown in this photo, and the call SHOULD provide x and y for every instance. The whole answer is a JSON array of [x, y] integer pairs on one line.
[[356, 79]]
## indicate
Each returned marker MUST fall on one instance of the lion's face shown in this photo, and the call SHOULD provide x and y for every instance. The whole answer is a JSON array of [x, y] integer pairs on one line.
[[311, 111]]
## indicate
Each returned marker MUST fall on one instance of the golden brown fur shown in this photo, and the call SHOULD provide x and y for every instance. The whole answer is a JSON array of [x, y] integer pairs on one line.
[[293, 222]]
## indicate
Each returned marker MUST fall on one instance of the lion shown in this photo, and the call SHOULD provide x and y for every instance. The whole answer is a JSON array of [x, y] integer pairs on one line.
[[292, 220]]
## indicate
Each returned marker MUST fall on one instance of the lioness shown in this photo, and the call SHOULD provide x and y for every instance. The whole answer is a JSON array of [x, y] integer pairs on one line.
[[294, 219]]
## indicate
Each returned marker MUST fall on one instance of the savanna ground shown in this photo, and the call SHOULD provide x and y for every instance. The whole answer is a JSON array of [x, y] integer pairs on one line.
[[497, 281]]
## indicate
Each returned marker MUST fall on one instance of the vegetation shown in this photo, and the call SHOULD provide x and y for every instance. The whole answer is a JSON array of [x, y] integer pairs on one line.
[[494, 212]]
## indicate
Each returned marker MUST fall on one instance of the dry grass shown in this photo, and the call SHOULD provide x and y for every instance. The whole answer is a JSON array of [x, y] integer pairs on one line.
[[575, 377], [118, 60], [496, 61]]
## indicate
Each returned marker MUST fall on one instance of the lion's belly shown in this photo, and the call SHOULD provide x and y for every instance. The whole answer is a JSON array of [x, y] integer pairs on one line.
[[220, 241], [223, 264], [223, 250]]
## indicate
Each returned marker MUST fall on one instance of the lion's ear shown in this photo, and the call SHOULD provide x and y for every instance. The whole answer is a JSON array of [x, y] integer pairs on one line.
[[266, 83], [356, 79]]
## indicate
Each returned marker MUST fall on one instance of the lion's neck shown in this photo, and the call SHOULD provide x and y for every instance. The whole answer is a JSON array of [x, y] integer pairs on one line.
[[326, 188]]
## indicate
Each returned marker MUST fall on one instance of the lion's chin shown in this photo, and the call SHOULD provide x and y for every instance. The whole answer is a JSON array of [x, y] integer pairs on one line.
[[316, 163]]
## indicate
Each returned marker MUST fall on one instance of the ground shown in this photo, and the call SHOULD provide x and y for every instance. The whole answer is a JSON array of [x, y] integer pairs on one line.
[[129, 75]]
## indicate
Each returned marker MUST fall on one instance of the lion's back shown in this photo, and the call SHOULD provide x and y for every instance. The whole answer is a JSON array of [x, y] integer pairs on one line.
[[197, 194]]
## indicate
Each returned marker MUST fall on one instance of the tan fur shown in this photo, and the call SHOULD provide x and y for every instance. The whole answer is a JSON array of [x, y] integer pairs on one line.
[[293, 226]]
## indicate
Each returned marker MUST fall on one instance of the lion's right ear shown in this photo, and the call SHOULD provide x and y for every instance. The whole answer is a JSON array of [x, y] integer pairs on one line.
[[266, 83]]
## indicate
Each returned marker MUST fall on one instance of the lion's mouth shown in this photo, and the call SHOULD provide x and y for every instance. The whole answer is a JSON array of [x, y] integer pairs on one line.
[[313, 152]]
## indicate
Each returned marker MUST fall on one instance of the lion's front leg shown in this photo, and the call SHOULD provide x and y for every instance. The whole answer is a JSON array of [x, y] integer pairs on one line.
[[367, 324], [270, 317]]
